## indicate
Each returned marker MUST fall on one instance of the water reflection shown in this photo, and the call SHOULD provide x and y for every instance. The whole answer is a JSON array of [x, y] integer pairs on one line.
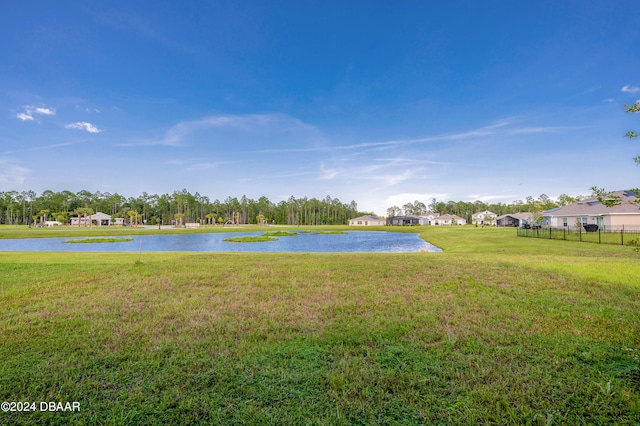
[[355, 241]]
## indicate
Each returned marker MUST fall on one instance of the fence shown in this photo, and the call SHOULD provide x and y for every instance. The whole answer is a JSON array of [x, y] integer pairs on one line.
[[621, 236]]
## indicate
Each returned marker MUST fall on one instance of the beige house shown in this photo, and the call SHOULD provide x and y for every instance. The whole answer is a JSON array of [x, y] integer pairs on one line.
[[367, 221], [592, 212]]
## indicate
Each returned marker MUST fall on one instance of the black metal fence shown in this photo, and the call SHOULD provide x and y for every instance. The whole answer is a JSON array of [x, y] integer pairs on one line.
[[626, 236]]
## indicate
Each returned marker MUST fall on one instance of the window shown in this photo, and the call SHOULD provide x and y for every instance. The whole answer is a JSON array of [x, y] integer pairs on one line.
[[564, 222]]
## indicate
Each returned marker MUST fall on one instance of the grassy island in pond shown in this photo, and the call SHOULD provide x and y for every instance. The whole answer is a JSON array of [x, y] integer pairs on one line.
[[280, 234], [250, 239], [100, 240]]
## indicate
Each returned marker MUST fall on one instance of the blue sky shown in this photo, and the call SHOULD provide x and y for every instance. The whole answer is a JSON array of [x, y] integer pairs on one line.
[[372, 101]]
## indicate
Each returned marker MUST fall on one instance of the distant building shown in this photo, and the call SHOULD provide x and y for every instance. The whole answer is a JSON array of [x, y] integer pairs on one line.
[[448, 220], [403, 220], [428, 218], [367, 221], [100, 219], [515, 219], [592, 212], [484, 218]]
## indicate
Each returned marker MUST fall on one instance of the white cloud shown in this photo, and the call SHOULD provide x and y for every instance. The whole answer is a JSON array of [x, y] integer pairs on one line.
[[45, 111], [83, 125], [30, 110], [630, 89], [24, 116]]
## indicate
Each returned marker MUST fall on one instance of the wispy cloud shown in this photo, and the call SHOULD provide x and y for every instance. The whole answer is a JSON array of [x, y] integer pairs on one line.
[[630, 89], [11, 174], [30, 111], [40, 147], [397, 162], [239, 130], [498, 128], [83, 125], [328, 174], [140, 26], [204, 166]]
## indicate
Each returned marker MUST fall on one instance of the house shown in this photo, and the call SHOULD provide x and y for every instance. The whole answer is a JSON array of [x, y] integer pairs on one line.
[[404, 220], [591, 211], [448, 220], [368, 220], [100, 219], [484, 218], [515, 219], [427, 219]]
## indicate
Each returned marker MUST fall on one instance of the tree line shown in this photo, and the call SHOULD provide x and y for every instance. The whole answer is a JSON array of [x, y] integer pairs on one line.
[[465, 209], [179, 207]]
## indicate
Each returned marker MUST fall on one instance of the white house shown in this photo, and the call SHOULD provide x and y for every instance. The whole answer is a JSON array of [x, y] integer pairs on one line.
[[448, 220], [427, 219], [100, 219], [367, 221], [484, 218], [592, 212]]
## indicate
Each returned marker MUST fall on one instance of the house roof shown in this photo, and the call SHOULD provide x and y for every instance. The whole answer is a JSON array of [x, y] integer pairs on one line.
[[368, 217], [486, 212], [100, 215], [593, 207], [519, 216]]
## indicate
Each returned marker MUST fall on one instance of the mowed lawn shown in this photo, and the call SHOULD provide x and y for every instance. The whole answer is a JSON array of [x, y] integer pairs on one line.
[[497, 329]]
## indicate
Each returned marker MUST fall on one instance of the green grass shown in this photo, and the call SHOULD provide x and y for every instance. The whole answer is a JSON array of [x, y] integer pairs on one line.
[[497, 329], [100, 240], [250, 239], [280, 234]]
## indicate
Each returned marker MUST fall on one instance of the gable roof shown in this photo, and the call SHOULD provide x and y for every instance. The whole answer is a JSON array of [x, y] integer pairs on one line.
[[519, 216], [367, 217], [486, 212], [593, 207]]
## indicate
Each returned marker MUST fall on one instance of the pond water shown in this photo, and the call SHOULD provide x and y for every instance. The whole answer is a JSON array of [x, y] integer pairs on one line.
[[356, 241]]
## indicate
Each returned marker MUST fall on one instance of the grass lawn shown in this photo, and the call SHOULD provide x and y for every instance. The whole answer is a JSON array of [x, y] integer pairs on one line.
[[497, 329]]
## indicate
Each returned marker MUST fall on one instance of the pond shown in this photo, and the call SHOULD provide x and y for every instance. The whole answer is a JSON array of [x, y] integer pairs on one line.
[[356, 241]]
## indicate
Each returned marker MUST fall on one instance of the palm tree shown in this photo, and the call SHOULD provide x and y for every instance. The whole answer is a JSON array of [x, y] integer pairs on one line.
[[84, 212], [178, 217]]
